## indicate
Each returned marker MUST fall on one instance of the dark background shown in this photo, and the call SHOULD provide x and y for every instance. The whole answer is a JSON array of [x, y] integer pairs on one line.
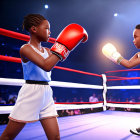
[[96, 16]]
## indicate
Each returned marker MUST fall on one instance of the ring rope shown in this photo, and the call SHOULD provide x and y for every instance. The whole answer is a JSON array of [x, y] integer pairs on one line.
[[20, 82], [123, 102], [59, 106], [124, 87], [18, 60], [8, 109], [75, 105], [131, 78], [134, 105], [20, 36], [122, 70]]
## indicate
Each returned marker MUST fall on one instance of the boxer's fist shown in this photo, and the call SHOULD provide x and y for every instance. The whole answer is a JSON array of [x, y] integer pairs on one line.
[[110, 52], [68, 39]]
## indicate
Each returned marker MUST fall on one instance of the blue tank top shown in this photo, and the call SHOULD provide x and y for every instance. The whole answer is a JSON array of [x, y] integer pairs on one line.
[[34, 72]]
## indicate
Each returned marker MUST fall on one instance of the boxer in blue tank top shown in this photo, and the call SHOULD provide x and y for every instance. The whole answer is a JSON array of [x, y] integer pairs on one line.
[[35, 101], [35, 95]]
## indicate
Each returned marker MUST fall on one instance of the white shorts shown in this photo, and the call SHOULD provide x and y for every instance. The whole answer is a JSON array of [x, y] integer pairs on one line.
[[34, 103]]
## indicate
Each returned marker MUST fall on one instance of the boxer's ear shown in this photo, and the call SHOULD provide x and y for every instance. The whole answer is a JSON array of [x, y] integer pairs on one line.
[[33, 29]]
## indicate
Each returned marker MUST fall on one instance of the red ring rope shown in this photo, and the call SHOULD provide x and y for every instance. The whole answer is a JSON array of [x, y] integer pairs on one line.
[[123, 102], [131, 78], [122, 70], [18, 60], [20, 36], [122, 78], [79, 102]]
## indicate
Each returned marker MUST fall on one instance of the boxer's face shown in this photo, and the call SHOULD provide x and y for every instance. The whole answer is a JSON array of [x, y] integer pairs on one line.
[[42, 32], [136, 35]]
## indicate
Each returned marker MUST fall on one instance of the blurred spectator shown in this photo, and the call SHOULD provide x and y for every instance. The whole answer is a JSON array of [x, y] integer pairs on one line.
[[12, 98], [139, 99], [75, 99], [67, 101], [100, 97], [77, 112], [65, 113], [127, 100], [2, 101], [81, 99], [55, 100], [93, 98], [11, 101], [71, 112], [110, 98], [132, 100]]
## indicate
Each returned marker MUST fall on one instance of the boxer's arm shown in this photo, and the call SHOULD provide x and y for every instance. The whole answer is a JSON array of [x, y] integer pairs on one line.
[[47, 64], [134, 61], [110, 52]]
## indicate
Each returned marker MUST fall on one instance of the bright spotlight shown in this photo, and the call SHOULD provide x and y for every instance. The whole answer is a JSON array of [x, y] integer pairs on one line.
[[116, 14], [46, 6]]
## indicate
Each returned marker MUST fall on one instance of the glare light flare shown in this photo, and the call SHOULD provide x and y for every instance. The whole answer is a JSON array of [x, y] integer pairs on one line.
[[46, 6], [115, 14], [107, 48]]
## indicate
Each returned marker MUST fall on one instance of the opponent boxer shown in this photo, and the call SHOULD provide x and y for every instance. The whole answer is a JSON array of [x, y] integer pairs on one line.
[[35, 101], [110, 52]]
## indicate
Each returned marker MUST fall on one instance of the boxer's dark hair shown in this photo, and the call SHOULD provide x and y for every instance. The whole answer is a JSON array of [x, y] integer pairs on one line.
[[137, 26], [32, 20]]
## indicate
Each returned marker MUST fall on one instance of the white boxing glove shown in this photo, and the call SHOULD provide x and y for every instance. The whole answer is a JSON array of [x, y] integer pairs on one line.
[[110, 52]]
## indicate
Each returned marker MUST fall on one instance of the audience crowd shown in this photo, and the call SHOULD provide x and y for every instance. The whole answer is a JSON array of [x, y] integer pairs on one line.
[[91, 99]]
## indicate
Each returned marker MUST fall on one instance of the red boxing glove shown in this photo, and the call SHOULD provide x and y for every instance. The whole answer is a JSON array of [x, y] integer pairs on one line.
[[68, 39]]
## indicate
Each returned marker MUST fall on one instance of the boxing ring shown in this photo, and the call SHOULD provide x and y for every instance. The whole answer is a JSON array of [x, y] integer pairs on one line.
[[106, 124]]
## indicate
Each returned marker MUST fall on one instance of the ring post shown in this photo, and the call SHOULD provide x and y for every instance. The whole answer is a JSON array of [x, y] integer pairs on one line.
[[104, 91]]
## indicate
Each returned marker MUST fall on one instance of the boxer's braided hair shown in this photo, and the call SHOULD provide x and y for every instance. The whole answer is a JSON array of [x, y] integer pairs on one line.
[[137, 26], [32, 20]]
